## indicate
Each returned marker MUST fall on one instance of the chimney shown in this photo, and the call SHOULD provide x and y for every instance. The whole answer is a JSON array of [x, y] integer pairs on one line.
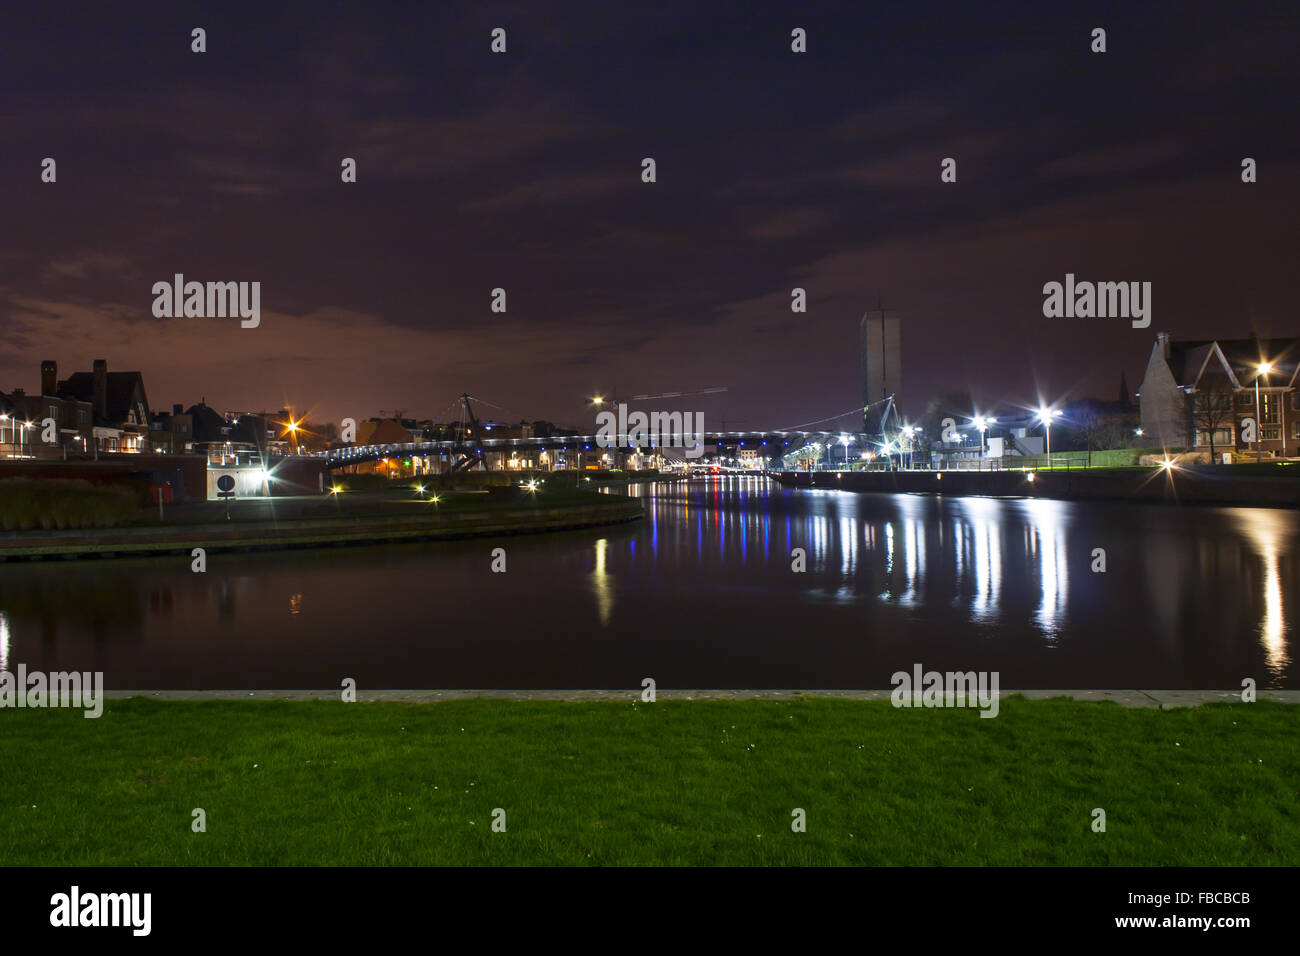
[[177, 410], [1163, 339], [101, 387], [49, 377]]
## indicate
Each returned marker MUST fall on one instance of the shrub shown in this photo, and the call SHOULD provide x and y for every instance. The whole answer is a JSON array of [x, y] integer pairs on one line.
[[53, 504]]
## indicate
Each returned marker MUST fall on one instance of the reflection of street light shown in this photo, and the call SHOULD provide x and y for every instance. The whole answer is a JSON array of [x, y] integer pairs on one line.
[[1263, 369], [1045, 415]]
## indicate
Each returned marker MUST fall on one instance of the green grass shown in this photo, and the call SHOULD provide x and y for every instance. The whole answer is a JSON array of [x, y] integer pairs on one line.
[[676, 782]]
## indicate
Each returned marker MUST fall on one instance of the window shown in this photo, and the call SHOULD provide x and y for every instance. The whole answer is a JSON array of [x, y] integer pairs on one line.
[[54, 413], [1268, 408], [1270, 434], [1295, 400], [1245, 398]]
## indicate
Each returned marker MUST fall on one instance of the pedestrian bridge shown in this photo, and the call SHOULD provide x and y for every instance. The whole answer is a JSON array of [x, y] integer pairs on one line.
[[775, 442]]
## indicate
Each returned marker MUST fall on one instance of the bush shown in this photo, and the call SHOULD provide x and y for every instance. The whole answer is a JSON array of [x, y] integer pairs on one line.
[[59, 503]]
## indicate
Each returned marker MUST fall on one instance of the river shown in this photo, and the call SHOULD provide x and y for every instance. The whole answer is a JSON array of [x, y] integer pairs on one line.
[[702, 594]]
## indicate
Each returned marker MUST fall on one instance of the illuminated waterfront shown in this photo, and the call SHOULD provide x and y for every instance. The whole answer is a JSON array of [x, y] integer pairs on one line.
[[701, 593]]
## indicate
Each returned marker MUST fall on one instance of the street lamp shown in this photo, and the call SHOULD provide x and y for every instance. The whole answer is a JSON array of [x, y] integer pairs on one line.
[[911, 431], [1045, 415], [844, 440], [1263, 369], [982, 424]]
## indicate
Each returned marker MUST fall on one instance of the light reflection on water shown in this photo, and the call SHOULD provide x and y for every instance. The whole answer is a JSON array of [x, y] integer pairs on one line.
[[702, 594]]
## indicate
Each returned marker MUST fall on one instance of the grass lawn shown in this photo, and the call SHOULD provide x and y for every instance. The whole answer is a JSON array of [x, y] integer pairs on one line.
[[675, 782]]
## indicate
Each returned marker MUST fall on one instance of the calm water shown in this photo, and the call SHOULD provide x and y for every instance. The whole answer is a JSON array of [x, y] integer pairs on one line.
[[701, 594]]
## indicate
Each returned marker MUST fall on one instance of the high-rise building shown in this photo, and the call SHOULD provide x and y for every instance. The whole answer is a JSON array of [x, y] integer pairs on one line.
[[881, 343]]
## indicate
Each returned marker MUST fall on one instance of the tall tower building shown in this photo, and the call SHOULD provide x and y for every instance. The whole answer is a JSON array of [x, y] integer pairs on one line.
[[881, 345]]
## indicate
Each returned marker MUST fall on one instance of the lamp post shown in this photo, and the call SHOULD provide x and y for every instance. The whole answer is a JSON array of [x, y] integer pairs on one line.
[[844, 440], [1045, 415], [982, 423], [1263, 369], [905, 451]]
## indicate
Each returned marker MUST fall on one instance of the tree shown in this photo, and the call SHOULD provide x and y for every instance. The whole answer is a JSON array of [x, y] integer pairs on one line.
[[1097, 428], [1212, 407]]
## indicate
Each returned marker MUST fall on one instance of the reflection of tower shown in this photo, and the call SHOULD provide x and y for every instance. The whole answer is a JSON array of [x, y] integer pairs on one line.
[[881, 353]]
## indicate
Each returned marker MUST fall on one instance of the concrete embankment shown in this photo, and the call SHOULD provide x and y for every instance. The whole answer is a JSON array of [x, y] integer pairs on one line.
[[1182, 485], [310, 532]]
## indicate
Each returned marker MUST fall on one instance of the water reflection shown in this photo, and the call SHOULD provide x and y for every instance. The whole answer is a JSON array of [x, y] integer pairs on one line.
[[1267, 540], [601, 584], [1003, 562], [1047, 541], [980, 533], [703, 591]]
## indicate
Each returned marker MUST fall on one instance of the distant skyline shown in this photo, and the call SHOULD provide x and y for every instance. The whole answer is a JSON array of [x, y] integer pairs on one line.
[[522, 171]]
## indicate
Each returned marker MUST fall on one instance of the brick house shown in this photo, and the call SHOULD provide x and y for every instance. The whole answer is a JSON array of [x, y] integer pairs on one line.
[[72, 419], [121, 408], [1200, 394]]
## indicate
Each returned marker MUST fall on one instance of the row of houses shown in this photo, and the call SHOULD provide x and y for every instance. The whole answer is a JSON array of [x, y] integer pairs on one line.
[[102, 412], [86, 413]]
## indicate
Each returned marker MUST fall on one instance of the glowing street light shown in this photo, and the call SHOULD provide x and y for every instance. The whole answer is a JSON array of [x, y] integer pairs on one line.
[[911, 431], [982, 423], [844, 440], [1263, 368], [1045, 415]]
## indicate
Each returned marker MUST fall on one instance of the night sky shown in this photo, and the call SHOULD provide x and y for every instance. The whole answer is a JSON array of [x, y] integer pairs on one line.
[[522, 171]]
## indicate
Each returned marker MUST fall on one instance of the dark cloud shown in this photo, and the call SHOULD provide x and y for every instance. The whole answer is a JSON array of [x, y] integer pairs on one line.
[[523, 171]]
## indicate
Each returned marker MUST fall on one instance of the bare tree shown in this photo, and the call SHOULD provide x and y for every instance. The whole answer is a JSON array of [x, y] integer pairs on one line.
[[1212, 407]]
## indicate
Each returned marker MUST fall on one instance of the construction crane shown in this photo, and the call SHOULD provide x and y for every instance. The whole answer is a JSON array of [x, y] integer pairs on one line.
[[473, 454]]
